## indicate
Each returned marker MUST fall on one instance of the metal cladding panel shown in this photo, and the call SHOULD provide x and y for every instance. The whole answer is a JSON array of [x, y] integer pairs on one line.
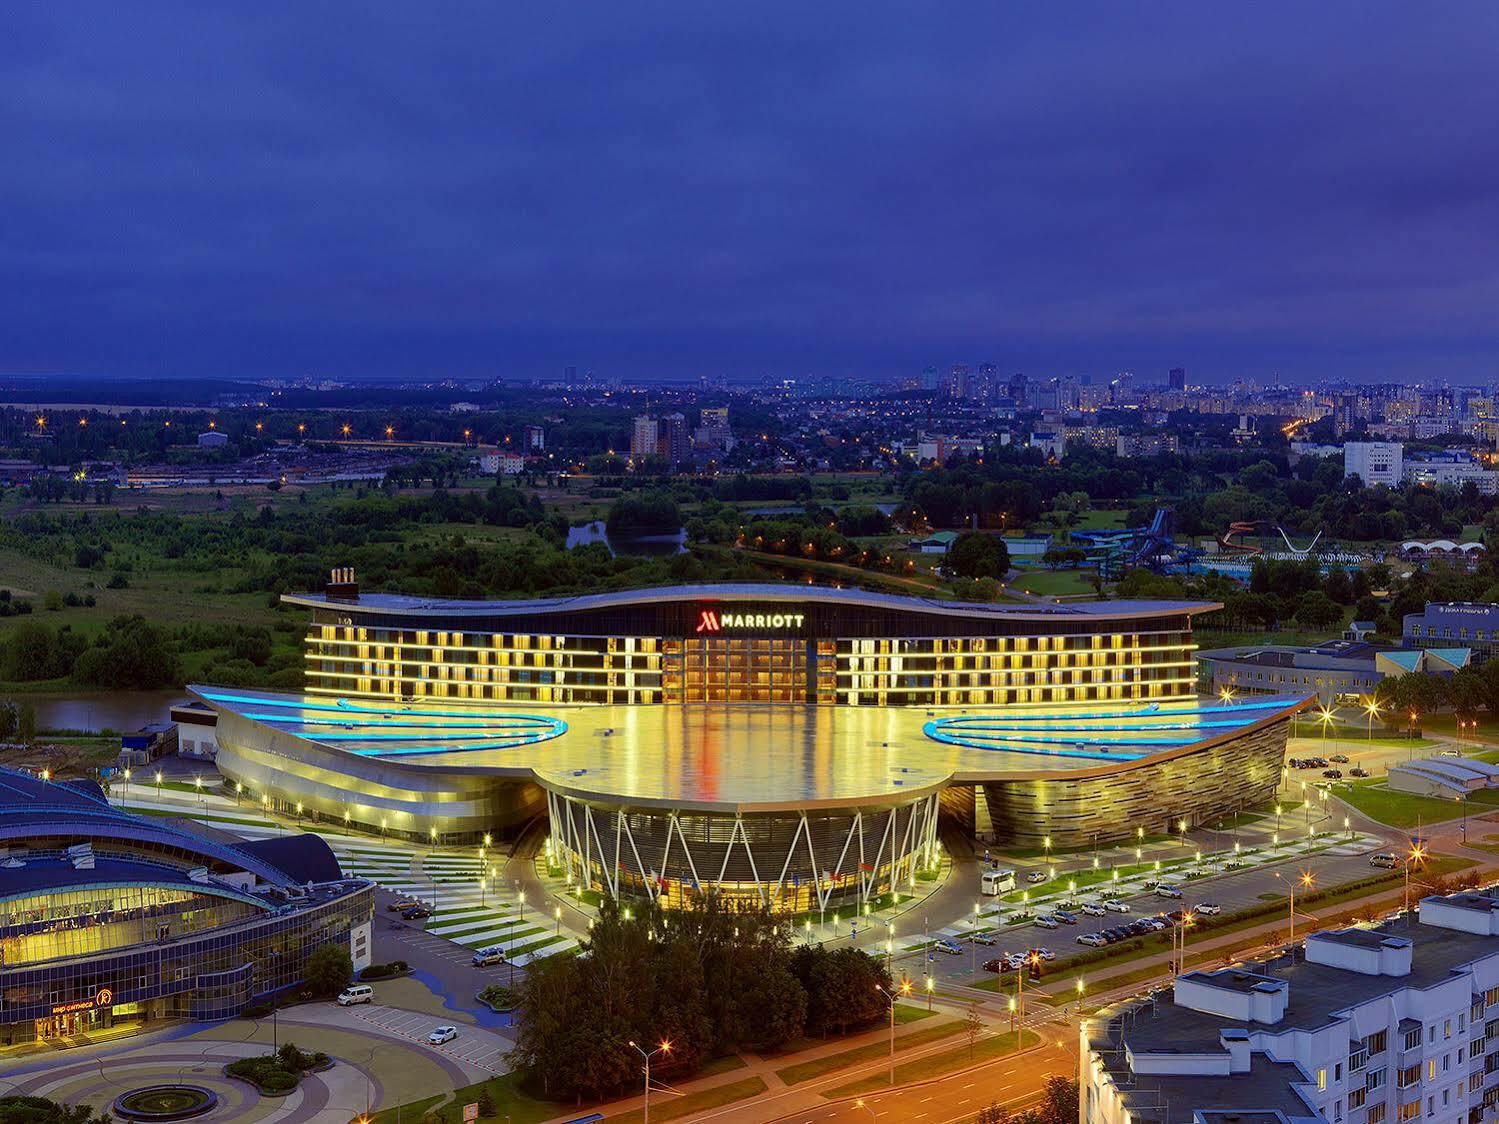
[[1200, 787]]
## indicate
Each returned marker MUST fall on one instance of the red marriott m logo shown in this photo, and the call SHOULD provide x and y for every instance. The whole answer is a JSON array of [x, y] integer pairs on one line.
[[708, 621]]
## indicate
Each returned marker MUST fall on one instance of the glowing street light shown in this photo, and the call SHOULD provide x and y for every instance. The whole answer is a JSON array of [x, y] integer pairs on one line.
[[664, 1048]]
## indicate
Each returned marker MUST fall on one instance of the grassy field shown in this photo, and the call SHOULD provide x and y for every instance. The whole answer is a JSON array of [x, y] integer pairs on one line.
[[1055, 583], [1402, 809]]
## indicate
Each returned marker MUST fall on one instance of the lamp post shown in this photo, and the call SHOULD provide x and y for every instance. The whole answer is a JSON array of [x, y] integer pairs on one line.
[[1305, 881], [664, 1048], [1414, 857], [930, 985], [127, 780], [904, 989], [860, 1104], [1371, 708], [158, 784]]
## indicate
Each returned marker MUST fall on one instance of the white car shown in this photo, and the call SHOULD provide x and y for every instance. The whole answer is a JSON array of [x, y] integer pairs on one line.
[[1116, 905], [1044, 953], [1093, 909], [1036, 876], [1046, 921], [1209, 909], [1092, 939], [442, 1034]]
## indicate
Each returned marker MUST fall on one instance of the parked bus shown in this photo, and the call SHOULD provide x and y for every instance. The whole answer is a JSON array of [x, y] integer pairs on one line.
[[997, 882]]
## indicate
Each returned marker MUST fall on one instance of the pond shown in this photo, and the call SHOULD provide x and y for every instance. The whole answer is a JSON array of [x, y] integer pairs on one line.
[[654, 545], [121, 711]]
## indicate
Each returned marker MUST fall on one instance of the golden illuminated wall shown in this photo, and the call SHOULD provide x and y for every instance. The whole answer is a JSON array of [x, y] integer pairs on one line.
[[98, 919], [1016, 670], [952, 671]]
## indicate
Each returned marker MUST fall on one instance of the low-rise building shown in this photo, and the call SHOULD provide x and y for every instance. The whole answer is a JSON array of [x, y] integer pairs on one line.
[[109, 920], [1443, 624], [1382, 1025], [1337, 669], [1129, 445]]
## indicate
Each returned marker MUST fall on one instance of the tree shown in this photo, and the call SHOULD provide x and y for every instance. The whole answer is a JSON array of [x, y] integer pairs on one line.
[[1317, 610], [329, 970], [973, 1025], [976, 554]]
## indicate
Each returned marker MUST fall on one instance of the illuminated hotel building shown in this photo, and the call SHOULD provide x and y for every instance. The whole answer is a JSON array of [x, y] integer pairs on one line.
[[788, 743]]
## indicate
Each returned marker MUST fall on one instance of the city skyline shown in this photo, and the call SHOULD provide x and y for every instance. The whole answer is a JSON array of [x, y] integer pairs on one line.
[[1285, 196]]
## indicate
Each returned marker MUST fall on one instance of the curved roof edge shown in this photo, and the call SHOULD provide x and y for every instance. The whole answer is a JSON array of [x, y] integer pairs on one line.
[[406, 605]]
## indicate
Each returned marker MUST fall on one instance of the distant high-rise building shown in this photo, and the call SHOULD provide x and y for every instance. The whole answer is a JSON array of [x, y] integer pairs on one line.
[[713, 430], [643, 437], [536, 439], [1177, 378], [674, 442], [985, 387], [1018, 389], [929, 378], [957, 381]]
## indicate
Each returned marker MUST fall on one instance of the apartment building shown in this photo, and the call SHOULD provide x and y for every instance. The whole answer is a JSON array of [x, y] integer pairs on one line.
[[1382, 1025]]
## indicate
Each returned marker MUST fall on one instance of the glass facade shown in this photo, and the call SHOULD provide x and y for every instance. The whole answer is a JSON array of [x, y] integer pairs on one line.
[[209, 974], [1150, 659]]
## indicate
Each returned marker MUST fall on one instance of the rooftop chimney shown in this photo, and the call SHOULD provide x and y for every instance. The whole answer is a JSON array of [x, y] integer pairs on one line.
[[341, 585]]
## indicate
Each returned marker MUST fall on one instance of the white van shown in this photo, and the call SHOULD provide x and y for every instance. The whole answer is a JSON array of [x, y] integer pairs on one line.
[[995, 882], [356, 993]]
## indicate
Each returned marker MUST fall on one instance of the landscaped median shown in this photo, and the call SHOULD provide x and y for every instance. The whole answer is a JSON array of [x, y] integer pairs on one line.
[[937, 1065], [820, 1067]]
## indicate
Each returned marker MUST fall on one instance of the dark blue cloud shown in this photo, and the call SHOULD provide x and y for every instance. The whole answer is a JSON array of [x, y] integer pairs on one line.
[[806, 189]]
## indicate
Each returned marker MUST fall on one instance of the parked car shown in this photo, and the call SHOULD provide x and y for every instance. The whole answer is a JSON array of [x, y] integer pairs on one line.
[[1450, 753], [1096, 940], [1167, 890], [400, 904], [1209, 909], [1036, 876], [998, 964], [1387, 859], [1094, 909], [493, 954], [982, 938], [1116, 905], [356, 993], [1044, 953], [951, 947], [1338, 759], [1065, 917], [416, 913], [1046, 921], [442, 1034], [1333, 774], [1357, 772]]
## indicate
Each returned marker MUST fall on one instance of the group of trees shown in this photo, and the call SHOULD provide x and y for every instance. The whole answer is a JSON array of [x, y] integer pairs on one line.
[[708, 981], [130, 653], [1465, 692]]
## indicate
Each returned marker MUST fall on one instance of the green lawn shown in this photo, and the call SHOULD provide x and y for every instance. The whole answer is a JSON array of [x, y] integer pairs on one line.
[[923, 1069], [1054, 583], [665, 1107], [1397, 809], [817, 1067]]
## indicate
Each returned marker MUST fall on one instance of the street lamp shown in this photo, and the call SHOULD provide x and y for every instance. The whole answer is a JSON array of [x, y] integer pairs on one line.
[[1371, 708], [664, 1048], [557, 913], [930, 985], [905, 989], [860, 1104], [198, 784], [1305, 881], [158, 784]]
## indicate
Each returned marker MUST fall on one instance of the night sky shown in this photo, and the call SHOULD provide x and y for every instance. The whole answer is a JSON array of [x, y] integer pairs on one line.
[[668, 190]]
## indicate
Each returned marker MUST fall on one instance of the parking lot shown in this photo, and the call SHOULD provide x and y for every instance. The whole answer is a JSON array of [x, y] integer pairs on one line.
[[474, 1046], [1230, 892]]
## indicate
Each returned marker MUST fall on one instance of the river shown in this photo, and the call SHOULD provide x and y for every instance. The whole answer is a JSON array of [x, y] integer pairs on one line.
[[121, 711], [596, 532]]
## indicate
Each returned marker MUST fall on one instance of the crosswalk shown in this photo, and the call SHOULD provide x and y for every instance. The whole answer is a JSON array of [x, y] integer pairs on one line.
[[463, 911]]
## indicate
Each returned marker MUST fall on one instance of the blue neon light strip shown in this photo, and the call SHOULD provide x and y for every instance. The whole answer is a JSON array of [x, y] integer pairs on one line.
[[390, 731], [1041, 734]]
